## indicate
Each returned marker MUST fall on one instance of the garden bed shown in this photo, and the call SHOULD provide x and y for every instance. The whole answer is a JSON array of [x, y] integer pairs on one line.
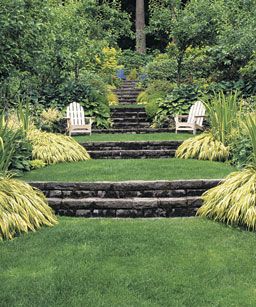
[[177, 262]]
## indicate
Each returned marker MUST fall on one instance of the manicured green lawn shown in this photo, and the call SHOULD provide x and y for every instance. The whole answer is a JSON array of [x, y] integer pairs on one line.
[[134, 169], [106, 262], [133, 137]]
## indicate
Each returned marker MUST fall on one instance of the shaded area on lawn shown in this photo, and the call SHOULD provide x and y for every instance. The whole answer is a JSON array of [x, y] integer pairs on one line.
[[174, 262], [123, 137], [131, 169]]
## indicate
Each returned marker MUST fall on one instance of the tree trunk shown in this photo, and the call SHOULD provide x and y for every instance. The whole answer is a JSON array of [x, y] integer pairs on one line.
[[140, 27]]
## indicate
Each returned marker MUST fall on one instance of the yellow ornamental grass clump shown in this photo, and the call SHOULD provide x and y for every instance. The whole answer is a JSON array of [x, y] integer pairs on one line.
[[142, 98], [54, 148], [22, 208], [234, 200], [50, 115], [112, 96], [112, 99], [203, 147]]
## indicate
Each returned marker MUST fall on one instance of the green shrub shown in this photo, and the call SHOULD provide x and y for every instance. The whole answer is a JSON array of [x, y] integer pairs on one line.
[[155, 90], [178, 102], [160, 86], [36, 164], [241, 150], [15, 149], [151, 108], [130, 59], [133, 75], [162, 68], [89, 90]]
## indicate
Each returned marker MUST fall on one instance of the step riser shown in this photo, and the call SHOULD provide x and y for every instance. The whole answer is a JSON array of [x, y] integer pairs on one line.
[[122, 194], [127, 99], [127, 102], [136, 145], [141, 147], [127, 155], [124, 189], [124, 110], [127, 93], [158, 209], [129, 120], [128, 115], [130, 125], [134, 131]]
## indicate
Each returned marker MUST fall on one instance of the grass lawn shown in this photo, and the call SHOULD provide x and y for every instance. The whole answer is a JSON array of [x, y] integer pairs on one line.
[[134, 169], [105, 262], [133, 137]]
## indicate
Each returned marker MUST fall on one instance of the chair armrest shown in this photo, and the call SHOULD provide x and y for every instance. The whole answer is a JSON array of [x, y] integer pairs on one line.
[[182, 116], [200, 116]]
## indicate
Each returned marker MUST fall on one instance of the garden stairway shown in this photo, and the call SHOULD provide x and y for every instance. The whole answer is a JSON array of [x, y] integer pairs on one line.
[[127, 198], [127, 93], [127, 119], [132, 149]]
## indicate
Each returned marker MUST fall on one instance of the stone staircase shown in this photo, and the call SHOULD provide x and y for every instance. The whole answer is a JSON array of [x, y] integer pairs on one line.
[[132, 149], [130, 120], [127, 93], [126, 199]]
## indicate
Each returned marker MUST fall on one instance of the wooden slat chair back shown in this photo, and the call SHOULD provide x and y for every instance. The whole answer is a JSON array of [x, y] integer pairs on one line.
[[77, 120], [195, 118]]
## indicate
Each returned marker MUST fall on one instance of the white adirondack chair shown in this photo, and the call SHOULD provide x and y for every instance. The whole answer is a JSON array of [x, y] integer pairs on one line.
[[77, 122], [194, 119]]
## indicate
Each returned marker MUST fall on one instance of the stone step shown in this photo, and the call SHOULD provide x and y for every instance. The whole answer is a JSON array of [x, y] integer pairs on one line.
[[127, 91], [128, 120], [132, 145], [124, 103], [131, 118], [128, 84], [132, 130], [132, 154], [126, 199], [130, 125], [128, 109], [129, 207], [127, 98], [126, 189]]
